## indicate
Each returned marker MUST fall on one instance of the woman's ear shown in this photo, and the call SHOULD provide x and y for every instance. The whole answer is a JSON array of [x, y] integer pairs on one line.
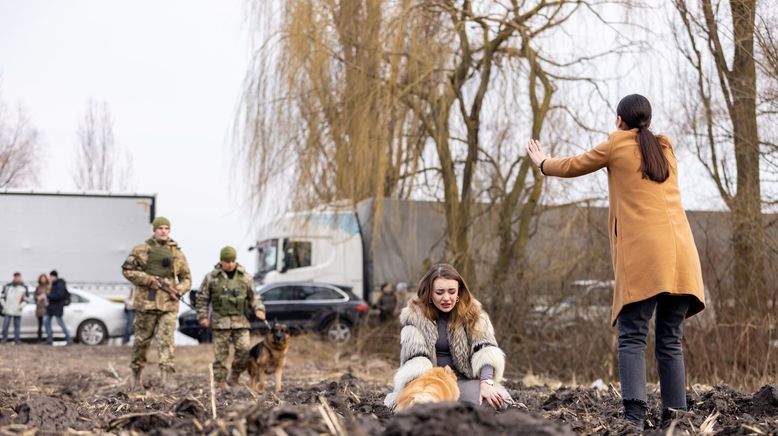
[[619, 123]]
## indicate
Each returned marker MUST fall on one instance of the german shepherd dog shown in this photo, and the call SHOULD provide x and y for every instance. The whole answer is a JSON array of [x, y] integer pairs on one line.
[[268, 356], [435, 384]]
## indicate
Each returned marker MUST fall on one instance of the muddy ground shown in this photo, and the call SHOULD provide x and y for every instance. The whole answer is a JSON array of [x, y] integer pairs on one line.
[[52, 390]]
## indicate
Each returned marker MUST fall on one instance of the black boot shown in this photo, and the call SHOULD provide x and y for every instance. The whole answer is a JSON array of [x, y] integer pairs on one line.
[[668, 416], [635, 412]]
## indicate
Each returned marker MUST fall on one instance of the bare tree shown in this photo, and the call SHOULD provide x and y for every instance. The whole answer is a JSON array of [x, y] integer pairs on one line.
[[101, 163], [718, 44], [767, 68], [20, 149]]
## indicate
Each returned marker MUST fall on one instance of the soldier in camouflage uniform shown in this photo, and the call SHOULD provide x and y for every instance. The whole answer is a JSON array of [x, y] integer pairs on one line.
[[230, 291], [158, 258]]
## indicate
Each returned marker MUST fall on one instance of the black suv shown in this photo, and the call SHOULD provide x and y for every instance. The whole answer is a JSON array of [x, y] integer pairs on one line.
[[331, 310]]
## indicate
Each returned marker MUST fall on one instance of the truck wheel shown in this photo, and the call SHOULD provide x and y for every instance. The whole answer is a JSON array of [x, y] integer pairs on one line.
[[92, 332], [338, 331]]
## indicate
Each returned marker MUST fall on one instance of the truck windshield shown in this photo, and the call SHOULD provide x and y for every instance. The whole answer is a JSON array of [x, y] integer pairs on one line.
[[267, 255]]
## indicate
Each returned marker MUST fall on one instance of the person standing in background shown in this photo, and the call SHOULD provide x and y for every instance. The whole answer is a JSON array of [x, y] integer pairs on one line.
[[58, 298], [129, 310], [41, 301], [402, 297], [13, 297], [386, 303]]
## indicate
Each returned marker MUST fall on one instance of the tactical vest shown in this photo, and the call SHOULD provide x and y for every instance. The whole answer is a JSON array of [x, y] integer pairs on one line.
[[160, 262], [230, 295]]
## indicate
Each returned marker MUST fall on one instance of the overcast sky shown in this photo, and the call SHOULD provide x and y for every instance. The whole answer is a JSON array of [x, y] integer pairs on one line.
[[171, 73]]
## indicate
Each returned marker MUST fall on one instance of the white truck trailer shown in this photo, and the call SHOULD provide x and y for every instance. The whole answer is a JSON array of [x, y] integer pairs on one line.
[[84, 236]]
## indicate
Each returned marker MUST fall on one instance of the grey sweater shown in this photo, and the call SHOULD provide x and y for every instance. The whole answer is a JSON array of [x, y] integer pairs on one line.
[[443, 351]]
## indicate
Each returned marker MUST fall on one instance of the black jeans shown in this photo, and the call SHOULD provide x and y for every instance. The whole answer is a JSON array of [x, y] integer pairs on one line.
[[633, 330]]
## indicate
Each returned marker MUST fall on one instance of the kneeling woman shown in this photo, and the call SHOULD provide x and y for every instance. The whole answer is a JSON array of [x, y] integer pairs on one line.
[[444, 325]]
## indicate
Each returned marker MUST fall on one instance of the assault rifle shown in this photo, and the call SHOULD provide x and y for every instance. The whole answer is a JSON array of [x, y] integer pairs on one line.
[[172, 292]]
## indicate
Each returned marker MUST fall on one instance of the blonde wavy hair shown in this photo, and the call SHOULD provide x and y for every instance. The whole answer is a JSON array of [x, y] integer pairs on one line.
[[466, 311]]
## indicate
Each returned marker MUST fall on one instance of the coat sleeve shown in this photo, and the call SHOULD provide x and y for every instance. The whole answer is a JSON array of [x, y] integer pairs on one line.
[[575, 166], [57, 293], [132, 268], [414, 360], [203, 298], [484, 350], [184, 275], [412, 344], [255, 301]]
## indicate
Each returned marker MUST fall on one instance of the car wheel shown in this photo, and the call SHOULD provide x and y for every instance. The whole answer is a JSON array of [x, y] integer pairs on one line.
[[338, 331], [92, 332]]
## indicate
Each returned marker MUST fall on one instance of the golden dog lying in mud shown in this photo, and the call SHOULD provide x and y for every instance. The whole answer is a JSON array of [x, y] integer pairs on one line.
[[434, 385], [268, 356]]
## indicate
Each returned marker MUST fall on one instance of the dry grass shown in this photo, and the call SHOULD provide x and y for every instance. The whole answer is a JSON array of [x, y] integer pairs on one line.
[[313, 359]]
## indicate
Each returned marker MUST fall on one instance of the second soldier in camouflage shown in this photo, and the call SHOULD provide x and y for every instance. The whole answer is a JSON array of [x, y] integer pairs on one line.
[[230, 290]]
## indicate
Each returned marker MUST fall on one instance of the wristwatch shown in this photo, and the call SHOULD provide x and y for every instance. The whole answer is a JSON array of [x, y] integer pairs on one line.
[[488, 381]]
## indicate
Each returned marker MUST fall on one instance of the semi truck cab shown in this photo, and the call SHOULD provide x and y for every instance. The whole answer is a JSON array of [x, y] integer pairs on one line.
[[324, 246]]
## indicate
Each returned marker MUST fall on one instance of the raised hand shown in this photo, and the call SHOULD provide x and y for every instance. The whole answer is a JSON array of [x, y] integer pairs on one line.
[[535, 151]]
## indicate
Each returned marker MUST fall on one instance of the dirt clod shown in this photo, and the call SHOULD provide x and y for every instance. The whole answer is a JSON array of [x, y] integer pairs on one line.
[[46, 413], [766, 401], [445, 419], [190, 407]]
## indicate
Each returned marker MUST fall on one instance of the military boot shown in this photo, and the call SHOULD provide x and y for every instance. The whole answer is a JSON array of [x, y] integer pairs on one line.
[[233, 379], [166, 378], [668, 416], [137, 380]]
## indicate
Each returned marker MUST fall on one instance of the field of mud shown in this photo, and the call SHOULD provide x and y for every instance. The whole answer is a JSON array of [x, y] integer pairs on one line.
[[52, 390]]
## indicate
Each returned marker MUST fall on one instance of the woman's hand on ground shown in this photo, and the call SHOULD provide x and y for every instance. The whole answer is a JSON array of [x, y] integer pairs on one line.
[[535, 151], [490, 394]]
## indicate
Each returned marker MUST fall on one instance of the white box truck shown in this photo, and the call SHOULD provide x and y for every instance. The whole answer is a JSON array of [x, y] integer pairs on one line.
[[84, 236]]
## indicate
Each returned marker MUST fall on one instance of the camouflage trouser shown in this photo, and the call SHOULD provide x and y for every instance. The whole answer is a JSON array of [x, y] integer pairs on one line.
[[147, 323], [222, 339]]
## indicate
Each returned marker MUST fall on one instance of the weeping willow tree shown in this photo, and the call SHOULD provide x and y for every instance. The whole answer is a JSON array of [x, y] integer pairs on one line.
[[350, 99], [323, 101]]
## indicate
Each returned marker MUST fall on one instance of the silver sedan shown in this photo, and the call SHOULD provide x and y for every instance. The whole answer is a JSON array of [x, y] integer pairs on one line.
[[90, 319]]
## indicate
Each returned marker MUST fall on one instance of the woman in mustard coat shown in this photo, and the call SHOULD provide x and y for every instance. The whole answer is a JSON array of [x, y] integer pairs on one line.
[[654, 257]]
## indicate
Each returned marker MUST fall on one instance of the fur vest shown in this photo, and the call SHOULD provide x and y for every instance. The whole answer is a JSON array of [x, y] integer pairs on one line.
[[470, 351]]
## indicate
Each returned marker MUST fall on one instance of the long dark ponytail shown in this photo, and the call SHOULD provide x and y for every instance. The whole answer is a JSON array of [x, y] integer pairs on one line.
[[635, 112]]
